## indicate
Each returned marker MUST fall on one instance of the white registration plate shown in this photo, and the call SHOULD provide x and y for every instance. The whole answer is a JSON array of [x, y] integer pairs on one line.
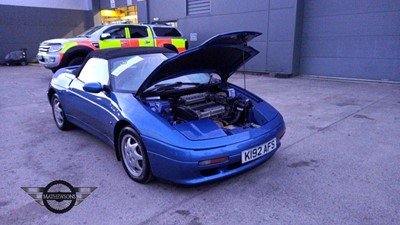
[[258, 151]]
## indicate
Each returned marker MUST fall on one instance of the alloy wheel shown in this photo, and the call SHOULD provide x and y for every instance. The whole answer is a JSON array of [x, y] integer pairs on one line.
[[133, 155]]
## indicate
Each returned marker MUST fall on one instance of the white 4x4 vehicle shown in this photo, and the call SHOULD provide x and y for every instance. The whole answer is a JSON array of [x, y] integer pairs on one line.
[[57, 53]]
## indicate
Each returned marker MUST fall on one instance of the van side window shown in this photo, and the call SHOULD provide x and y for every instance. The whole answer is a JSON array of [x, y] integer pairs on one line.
[[138, 31], [116, 32]]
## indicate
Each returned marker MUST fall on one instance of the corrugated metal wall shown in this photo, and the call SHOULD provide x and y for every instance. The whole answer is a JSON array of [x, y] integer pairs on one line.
[[26, 27], [352, 39]]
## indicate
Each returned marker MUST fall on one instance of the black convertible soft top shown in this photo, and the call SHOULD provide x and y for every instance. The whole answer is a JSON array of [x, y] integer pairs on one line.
[[112, 53]]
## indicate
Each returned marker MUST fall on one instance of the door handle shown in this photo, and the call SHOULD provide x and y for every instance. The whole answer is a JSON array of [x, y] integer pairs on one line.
[[147, 42], [124, 43]]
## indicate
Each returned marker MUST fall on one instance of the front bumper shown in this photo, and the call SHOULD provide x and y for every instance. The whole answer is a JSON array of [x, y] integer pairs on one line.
[[48, 60], [183, 166]]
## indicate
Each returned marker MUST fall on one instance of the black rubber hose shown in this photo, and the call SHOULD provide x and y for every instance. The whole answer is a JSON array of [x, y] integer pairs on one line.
[[235, 118]]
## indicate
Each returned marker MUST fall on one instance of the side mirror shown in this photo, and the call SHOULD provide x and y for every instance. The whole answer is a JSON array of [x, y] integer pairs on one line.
[[104, 36], [94, 87]]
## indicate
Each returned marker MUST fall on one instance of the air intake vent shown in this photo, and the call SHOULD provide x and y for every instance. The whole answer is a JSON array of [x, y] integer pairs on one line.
[[195, 7]]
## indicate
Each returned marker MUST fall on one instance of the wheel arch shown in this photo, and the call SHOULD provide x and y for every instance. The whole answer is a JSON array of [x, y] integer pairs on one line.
[[50, 94], [76, 51], [171, 47]]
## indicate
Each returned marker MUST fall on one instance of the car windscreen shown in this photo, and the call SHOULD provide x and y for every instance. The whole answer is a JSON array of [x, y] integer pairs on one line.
[[90, 31], [166, 32], [129, 72], [200, 78]]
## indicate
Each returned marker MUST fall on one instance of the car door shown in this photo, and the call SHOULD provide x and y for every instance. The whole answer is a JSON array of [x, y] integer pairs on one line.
[[140, 36], [118, 38], [94, 111]]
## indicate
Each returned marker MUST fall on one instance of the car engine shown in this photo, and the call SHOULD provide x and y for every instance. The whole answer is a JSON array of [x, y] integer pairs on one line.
[[222, 106], [198, 106]]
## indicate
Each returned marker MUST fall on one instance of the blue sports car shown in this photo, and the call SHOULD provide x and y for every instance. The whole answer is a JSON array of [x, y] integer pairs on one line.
[[168, 115]]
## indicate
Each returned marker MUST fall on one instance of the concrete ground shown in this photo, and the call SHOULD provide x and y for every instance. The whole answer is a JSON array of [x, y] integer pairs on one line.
[[339, 162]]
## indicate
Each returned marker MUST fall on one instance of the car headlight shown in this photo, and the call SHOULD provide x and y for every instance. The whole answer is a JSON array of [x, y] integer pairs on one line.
[[55, 47]]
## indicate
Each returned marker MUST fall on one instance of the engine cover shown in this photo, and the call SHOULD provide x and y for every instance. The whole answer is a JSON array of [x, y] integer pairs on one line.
[[200, 111], [193, 98]]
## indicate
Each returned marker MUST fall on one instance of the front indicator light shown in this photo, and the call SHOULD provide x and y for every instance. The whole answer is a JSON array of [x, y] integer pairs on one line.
[[280, 135], [213, 161]]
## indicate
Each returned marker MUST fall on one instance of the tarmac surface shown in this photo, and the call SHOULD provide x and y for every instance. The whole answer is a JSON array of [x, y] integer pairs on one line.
[[339, 162]]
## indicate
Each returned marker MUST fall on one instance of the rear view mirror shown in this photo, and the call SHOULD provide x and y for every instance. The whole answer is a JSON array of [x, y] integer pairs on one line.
[[104, 36]]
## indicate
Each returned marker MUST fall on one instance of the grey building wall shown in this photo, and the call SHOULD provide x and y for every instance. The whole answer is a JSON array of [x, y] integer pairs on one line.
[[276, 19], [337, 38], [352, 39], [96, 11], [284, 27], [170, 10], [232, 15], [26, 27]]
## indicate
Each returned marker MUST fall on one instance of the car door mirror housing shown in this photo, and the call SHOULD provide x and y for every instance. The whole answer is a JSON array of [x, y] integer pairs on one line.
[[104, 36], [94, 87]]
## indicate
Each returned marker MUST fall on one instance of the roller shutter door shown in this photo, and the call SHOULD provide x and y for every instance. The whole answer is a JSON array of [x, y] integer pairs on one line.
[[351, 39]]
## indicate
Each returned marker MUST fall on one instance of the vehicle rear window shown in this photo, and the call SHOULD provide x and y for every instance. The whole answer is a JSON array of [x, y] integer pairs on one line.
[[166, 32]]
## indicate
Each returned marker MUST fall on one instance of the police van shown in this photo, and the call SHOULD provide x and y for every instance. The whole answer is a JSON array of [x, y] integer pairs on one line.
[[57, 53]]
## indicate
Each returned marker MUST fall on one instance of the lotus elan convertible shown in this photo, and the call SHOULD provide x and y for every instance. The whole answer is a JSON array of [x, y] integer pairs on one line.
[[168, 115]]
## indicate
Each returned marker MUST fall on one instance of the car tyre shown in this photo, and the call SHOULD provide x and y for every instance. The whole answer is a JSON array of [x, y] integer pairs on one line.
[[134, 156], [59, 115]]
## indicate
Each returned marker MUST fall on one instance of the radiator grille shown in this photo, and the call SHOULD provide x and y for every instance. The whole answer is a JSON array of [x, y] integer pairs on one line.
[[44, 48]]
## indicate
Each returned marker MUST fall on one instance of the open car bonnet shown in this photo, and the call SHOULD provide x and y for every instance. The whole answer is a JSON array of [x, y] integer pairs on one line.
[[222, 54]]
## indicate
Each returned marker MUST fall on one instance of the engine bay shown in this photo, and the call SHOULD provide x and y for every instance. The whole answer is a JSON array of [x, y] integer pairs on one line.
[[228, 108]]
